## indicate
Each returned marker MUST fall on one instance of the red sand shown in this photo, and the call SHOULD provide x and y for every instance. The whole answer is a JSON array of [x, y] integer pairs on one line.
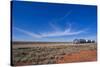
[[82, 56]]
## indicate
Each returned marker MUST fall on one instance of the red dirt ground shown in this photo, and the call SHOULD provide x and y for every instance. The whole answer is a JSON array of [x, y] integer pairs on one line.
[[88, 55], [82, 56]]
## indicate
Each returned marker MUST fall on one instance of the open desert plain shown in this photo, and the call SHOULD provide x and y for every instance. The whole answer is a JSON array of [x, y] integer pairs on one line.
[[37, 53]]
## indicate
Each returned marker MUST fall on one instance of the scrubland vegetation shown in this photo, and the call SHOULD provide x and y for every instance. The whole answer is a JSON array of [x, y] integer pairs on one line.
[[38, 55]]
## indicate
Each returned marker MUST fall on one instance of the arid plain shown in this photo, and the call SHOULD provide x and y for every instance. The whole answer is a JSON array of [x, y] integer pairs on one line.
[[37, 53]]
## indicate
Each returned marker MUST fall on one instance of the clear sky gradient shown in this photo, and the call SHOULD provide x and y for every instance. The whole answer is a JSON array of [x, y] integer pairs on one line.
[[35, 21]]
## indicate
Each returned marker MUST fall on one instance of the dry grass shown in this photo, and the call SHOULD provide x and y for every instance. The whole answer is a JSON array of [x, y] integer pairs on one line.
[[52, 54]]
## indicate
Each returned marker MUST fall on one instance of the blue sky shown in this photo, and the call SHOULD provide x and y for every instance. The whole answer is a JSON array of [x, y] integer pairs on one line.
[[35, 21]]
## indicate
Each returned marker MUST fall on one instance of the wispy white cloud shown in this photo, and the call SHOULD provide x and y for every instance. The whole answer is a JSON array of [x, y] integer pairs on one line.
[[57, 33], [32, 34], [65, 16], [54, 27], [66, 32]]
